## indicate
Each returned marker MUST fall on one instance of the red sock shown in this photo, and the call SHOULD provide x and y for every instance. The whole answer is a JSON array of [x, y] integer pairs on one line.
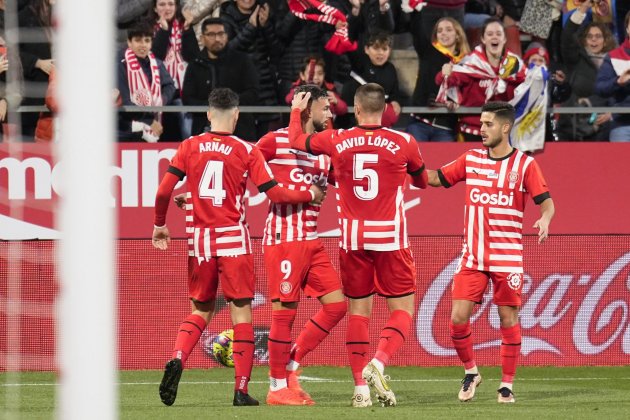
[[510, 350], [358, 346], [393, 335], [243, 353], [317, 329], [279, 343], [189, 332], [462, 340]]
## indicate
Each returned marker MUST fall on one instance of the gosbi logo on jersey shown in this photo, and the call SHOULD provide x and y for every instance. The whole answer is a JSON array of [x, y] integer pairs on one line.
[[514, 280], [500, 199], [298, 175], [285, 287]]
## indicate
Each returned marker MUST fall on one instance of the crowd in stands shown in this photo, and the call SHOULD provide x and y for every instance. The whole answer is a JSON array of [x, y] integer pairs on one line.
[[175, 52]]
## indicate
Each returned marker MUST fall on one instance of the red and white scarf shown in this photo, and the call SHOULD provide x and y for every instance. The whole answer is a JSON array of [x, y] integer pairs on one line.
[[174, 63], [476, 65], [620, 59], [339, 43], [142, 92]]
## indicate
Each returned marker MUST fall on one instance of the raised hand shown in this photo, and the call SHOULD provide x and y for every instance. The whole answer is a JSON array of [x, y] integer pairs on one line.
[[300, 100]]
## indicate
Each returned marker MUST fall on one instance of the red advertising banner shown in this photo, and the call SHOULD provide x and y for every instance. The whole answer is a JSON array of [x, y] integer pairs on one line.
[[588, 182], [576, 306]]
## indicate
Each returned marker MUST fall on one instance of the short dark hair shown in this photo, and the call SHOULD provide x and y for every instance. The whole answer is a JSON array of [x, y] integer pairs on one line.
[[141, 29], [380, 37], [315, 91], [502, 110], [212, 21], [223, 99], [371, 97]]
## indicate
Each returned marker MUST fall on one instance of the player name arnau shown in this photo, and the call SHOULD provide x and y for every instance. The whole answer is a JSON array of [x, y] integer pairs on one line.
[[215, 146], [377, 141]]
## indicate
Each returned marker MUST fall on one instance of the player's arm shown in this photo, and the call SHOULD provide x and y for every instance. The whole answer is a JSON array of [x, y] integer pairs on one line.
[[449, 174], [315, 144], [262, 176], [415, 165], [547, 211], [161, 236], [433, 178], [534, 183]]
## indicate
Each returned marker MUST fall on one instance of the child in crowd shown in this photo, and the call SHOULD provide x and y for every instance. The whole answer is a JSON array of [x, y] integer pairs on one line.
[[313, 73], [374, 67]]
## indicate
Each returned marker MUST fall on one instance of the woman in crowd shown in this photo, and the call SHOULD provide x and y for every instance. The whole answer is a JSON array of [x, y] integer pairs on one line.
[[583, 52], [448, 44], [489, 73]]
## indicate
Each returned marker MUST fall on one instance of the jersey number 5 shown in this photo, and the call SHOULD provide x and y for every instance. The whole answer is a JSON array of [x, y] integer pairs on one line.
[[211, 184], [360, 173]]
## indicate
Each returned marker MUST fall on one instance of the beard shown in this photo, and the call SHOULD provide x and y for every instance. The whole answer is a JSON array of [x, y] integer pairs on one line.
[[320, 125], [492, 142]]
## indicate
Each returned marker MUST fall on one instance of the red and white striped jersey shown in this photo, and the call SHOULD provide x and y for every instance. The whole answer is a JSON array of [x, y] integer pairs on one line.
[[371, 164], [294, 170], [496, 191], [216, 167]]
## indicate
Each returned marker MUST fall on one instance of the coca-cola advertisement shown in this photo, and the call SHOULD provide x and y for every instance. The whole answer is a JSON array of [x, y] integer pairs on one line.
[[576, 305]]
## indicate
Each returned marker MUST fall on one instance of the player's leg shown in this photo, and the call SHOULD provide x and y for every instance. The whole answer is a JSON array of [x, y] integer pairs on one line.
[[357, 277], [237, 280], [316, 329], [202, 287], [468, 289], [323, 283], [507, 297], [396, 281], [285, 269]]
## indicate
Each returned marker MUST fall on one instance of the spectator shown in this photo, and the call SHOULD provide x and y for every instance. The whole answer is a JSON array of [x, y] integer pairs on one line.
[[175, 44], [10, 96], [302, 38], [220, 66], [613, 80], [251, 29], [448, 44], [490, 72], [367, 16], [583, 53], [37, 63], [143, 81], [374, 67], [559, 90], [314, 74]]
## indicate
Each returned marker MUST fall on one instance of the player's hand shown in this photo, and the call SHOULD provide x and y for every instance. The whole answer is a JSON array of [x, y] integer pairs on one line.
[[180, 200], [320, 195], [300, 100], [161, 237], [542, 225]]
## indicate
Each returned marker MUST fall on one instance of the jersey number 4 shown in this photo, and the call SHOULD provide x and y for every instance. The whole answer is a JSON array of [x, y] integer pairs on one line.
[[360, 173], [211, 184]]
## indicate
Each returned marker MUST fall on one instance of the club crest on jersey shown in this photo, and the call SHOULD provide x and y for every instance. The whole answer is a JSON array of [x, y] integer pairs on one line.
[[514, 280], [513, 177], [285, 287]]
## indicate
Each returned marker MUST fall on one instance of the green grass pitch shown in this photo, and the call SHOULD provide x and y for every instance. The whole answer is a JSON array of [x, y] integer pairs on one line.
[[430, 393]]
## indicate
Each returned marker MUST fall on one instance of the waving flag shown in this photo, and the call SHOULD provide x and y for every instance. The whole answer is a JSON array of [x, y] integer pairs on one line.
[[530, 101]]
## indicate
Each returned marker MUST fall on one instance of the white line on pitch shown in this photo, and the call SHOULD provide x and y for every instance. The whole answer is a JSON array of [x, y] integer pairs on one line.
[[313, 379]]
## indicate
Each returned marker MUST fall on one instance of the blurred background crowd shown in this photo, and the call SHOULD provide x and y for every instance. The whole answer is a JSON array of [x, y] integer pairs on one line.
[[434, 54]]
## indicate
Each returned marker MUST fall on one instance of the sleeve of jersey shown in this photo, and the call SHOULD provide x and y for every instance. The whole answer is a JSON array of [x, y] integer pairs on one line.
[[267, 146], [451, 173], [163, 197], [535, 183], [415, 166], [315, 144]]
